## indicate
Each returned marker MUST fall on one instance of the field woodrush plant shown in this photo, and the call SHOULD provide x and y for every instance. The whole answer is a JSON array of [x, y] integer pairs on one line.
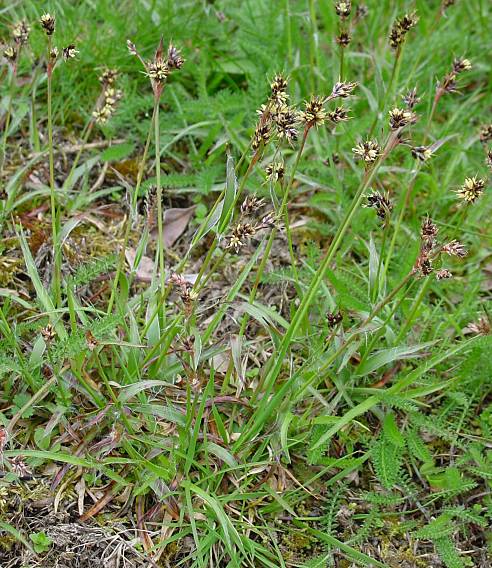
[[251, 326]]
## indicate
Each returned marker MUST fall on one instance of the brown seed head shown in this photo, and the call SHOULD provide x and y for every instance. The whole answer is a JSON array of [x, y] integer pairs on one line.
[[443, 274], [342, 90], [261, 136], [174, 58], [488, 159], [481, 327], [334, 319], [428, 230], [19, 466], [455, 248], [251, 204], [286, 120], [48, 333], [132, 48], [360, 12], [400, 29], [411, 99], [344, 39]]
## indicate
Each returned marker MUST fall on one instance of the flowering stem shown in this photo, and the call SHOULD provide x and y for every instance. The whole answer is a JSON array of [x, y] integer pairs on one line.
[[54, 218], [160, 227], [393, 80], [8, 116], [403, 209], [87, 131], [126, 237], [380, 260]]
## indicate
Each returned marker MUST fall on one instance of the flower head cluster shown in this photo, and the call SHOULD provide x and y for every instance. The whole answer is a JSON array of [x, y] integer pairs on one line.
[[381, 203], [488, 159], [455, 248], [430, 250], [471, 190], [174, 58], [422, 153], [278, 87], [262, 135], [460, 64], [10, 54], [69, 52], [360, 12], [400, 29], [20, 33], [340, 114], [47, 22], [248, 226], [275, 171], [314, 113], [342, 90], [449, 82], [251, 204], [343, 39], [106, 105], [399, 118], [486, 133], [285, 120], [368, 151], [333, 319], [185, 291], [343, 8], [481, 327], [159, 68], [411, 99], [447, 4]]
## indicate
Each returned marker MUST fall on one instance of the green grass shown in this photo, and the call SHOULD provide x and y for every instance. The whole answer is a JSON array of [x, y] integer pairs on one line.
[[235, 425]]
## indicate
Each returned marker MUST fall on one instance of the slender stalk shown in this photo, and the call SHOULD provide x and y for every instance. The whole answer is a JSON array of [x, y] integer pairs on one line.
[[415, 307], [368, 320], [54, 215], [312, 47], [342, 61], [393, 80], [160, 226], [406, 201], [380, 260], [8, 116], [121, 260], [87, 130]]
